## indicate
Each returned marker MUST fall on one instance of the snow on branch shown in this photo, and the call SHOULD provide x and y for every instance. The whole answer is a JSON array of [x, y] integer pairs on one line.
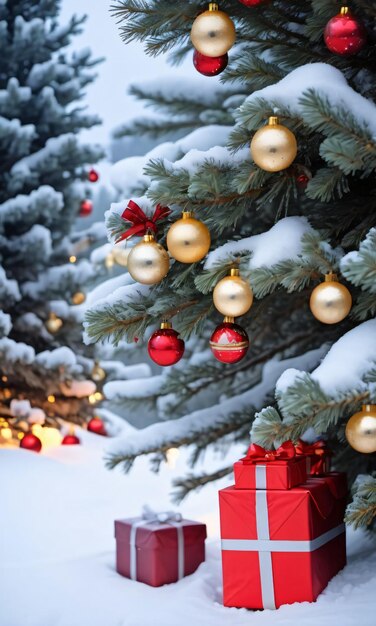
[[13, 351], [359, 267], [331, 392], [117, 369], [288, 254], [9, 290], [62, 278], [283, 241], [316, 97], [43, 203], [118, 390], [218, 418], [186, 153], [326, 81]]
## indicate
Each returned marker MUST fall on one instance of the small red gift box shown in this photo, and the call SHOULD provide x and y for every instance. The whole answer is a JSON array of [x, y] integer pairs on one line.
[[282, 546], [160, 550], [272, 469], [317, 456]]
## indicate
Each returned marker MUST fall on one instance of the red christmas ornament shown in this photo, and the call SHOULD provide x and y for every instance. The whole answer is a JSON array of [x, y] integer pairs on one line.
[[96, 426], [165, 346], [344, 34], [86, 208], [70, 440], [93, 175], [252, 3], [31, 442], [209, 66], [302, 181], [229, 343]]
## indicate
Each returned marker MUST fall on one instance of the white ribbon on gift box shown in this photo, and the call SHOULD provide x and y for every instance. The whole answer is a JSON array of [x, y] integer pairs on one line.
[[265, 546], [151, 517]]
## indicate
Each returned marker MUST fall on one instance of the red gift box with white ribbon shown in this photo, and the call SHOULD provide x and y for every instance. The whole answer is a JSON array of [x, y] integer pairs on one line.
[[281, 546], [159, 548], [275, 469]]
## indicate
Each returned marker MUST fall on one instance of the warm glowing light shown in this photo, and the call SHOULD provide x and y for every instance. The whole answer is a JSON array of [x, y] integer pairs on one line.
[[6, 433], [48, 435], [72, 259], [95, 397], [109, 261], [7, 393], [4, 378], [51, 399], [172, 456], [21, 435]]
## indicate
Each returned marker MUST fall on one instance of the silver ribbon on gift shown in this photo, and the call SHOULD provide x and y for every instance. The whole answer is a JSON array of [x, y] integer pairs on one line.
[[265, 546], [151, 517]]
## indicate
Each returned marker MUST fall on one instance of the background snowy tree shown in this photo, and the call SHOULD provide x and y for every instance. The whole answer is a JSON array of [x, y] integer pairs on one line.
[[285, 230], [43, 180]]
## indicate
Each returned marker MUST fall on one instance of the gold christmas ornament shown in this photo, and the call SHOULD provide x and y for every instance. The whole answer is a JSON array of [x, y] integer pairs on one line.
[[148, 261], [188, 240], [273, 147], [54, 323], [78, 297], [361, 430], [97, 373], [120, 255], [213, 32], [109, 260], [330, 301], [233, 296]]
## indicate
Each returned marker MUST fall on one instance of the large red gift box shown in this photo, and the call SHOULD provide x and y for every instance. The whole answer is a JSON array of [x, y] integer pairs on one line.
[[282, 546], [158, 552], [283, 468]]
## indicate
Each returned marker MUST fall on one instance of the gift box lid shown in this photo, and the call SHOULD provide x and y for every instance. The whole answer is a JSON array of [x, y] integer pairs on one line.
[[152, 535]]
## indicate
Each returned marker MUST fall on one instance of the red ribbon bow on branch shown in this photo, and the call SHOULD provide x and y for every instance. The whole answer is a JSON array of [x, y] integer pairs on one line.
[[141, 222], [318, 449], [257, 453]]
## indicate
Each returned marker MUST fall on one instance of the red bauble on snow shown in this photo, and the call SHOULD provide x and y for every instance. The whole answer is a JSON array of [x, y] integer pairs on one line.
[[95, 425], [93, 176], [229, 343], [70, 440], [31, 442], [86, 208], [165, 346], [344, 34], [209, 66]]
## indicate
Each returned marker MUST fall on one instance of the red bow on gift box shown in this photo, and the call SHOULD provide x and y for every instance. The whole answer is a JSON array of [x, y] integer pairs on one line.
[[319, 450], [257, 453], [142, 223]]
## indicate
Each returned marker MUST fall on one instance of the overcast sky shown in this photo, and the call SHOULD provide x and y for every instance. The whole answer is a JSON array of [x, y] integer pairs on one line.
[[124, 64]]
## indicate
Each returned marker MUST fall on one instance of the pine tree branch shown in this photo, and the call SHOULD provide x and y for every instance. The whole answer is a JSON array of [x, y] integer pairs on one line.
[[183, 486]]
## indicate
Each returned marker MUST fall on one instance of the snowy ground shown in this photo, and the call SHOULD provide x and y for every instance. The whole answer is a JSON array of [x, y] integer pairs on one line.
[[57, 551]]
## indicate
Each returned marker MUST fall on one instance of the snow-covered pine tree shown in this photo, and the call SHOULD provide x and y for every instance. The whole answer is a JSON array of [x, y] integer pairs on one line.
[[285, 230], [43, 172]]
